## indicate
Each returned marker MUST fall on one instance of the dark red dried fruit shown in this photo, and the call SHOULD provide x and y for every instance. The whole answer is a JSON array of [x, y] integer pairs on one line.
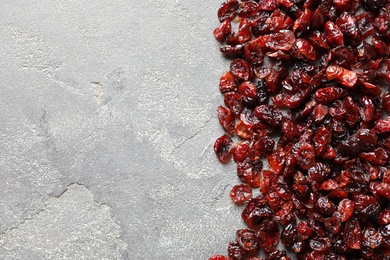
[[228, 10], [222, 31], [372, 238], [226, 119], [241, 69], [346, 77], [247, 240], [304, 90], [223, 148], [235, 251], [333, 34], [320, 244], [241, 193], [269, 114], [353, 234], [304, 154], [346, 208], [228, 83]]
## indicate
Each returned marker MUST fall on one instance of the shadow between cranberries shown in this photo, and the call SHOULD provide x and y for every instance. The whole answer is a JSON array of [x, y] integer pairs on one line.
[[307, 97]]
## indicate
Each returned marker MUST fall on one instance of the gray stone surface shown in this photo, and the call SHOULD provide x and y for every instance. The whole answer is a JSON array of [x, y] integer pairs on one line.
[[107, 123]]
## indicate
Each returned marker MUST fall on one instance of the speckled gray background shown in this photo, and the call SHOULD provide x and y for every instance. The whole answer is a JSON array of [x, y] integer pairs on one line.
[[107, 123]]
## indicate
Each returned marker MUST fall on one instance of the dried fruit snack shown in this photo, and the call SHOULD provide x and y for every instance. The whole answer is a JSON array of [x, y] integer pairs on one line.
[[306, 102]]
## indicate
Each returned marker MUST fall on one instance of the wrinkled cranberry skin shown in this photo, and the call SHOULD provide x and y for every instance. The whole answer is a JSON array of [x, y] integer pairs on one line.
[[304, 154], [221, 32], [270, 114], [235, 251], [223, 148], [228, 83], [385, 232], [228, 10], [241, 69], [241, 193], [333, 34], [247, 240], [226, 119], [372, 238], [353, 234], [268, 235]]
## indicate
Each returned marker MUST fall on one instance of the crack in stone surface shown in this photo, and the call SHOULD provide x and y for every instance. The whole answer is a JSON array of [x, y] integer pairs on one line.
[[192, 136], [72, 225]]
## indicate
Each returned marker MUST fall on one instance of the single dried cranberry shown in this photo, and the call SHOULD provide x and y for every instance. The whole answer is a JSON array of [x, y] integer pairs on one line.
[[333, 34], [304, 154], [384, 217], [223, 148], [304, 230], [250, 172], [236, 252], [244, 33], [346, 208], [268, 5], [277, 255], [282, 40], [233, 101], [306, 49], [248, 8], [268, 235], [325, 206], [327, 95], [228, 83], [254, 54], [228, 10], [353, 234], [226, 119], [385, 232], [366, 206], [231, 51], [248, 93], [320, 244], [222, 31], [241, 193], [247, 240], [241, 69], [269, 114], [240, 151], [346, 77], [289, 235], [372, 238]]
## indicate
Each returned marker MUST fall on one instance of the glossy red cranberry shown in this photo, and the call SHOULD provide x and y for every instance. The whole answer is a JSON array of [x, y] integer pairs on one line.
[[241, 193], [223, 148]]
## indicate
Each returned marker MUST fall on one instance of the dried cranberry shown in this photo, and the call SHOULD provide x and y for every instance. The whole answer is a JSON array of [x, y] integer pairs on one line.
[[372, 238], [226, 119], [304, 90], [235, 251], [223, 148], [228, 10], [222, 31], [228, 83], [241, 193], [241, 69]]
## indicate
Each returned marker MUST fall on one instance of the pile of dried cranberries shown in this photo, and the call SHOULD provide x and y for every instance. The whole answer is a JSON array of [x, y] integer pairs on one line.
[[307, 90]]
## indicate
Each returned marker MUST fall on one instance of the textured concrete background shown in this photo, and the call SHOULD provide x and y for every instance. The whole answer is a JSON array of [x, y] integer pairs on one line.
[[107, 122]]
